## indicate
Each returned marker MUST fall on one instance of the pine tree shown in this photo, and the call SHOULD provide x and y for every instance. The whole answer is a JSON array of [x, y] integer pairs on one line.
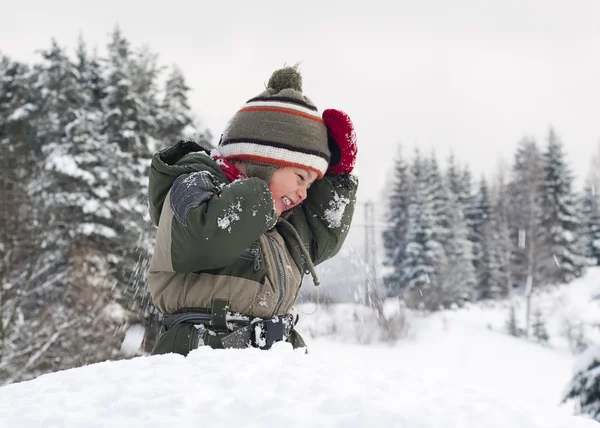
[[52, 90], [175, 120], [503, 246], [584, 388], [424, 255], [563, 259], [394, 237], [590, 224], [89, 75], [593, 175], [459, 275], [468, 200], [74, 283], [438, 197], [18, 112], [121, 110], [130, 109], [525, 213], [512, 327], [486, 240], [454, 180], [540, 332], [53, 190], [144, 73], [76, 136]]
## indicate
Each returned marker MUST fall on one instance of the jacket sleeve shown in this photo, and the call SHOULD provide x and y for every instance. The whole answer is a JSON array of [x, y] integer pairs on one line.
[[205, 221], [323, 219], [212, 225]]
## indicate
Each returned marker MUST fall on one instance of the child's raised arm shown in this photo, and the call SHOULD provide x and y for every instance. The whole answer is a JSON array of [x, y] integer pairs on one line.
[[324, 219], [206, 223]]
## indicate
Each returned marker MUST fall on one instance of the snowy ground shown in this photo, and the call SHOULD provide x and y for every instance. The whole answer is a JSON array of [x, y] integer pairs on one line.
[[570, 312], [452, 369], [450, 375]]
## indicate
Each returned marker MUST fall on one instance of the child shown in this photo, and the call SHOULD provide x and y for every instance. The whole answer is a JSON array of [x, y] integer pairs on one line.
[[239, 227]]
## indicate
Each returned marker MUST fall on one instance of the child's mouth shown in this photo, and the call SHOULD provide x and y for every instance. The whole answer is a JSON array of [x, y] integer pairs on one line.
[[286, 201]]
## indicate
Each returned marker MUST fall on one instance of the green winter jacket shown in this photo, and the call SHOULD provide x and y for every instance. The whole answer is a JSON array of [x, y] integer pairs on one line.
[[218, 239]]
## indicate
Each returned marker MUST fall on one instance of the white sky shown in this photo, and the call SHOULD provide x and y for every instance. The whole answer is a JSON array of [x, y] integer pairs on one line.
[[473, 76]]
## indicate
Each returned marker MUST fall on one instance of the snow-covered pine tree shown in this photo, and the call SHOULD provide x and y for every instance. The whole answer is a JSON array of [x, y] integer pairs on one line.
[[486, 240], [525, 213], [424, 254], [175, 117], [50, 220], [394, 237], [502, 245], [119, 105], [468, 199], [94, 257], [593, 175], [539, 330], [459, 182], [144, 73], [73, 194], [512, 327], [78, 151], [130, 108], [584, 388], [56, 80], [563, 257], [90, 78], [18, 113], [18, 147], [459, 275], [438, 196], [453, 179], [590, 223]]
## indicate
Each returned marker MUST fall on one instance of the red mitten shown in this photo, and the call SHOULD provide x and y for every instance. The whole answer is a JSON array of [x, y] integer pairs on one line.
[[342, 141]]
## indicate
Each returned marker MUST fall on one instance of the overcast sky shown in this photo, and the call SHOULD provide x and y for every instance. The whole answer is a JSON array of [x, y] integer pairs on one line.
[[472, 76]]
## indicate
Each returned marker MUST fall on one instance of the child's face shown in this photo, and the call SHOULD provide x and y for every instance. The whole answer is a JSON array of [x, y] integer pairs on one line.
[[289, 185]]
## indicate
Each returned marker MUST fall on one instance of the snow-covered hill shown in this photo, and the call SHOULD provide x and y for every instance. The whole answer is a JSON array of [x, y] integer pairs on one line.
[[457, 378], [451, 374], [452, 369]]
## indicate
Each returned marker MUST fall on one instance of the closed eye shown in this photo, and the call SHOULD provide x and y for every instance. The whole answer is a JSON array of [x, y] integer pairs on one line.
[[303, 179]]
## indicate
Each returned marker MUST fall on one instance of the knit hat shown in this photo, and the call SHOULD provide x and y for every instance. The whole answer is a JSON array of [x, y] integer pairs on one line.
[[280, 127]]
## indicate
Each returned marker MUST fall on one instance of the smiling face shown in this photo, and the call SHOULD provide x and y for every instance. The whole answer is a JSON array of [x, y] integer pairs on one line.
[[289, 186]]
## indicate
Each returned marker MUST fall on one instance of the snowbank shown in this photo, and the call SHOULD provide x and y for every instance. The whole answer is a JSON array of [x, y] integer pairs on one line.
[[452, 375]]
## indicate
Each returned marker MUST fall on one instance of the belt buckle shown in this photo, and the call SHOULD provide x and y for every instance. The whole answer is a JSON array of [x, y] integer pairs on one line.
[[274, 332]]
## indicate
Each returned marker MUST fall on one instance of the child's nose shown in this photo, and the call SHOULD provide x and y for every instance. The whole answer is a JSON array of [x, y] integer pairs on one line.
[[301, 193]]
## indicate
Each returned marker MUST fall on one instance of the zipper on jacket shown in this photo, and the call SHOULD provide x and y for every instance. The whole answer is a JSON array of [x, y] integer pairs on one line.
[[280, 273]]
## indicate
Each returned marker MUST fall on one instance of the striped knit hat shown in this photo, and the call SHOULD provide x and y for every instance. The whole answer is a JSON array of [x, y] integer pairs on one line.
[[279, 127]]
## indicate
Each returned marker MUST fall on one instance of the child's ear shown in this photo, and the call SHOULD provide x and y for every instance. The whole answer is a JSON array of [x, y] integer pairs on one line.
[[262, 171]]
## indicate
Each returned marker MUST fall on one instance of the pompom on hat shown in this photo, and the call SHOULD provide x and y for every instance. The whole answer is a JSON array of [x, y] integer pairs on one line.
[[280, 127]]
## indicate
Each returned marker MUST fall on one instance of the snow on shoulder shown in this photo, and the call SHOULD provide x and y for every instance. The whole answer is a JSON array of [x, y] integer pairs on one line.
[[331, 386]]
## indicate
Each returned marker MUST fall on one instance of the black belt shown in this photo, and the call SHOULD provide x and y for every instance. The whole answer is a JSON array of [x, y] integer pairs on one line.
[[237, 332]]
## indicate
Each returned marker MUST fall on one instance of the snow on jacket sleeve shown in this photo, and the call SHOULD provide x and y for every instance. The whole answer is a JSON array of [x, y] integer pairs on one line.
[[323, 219], [213, 231]]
